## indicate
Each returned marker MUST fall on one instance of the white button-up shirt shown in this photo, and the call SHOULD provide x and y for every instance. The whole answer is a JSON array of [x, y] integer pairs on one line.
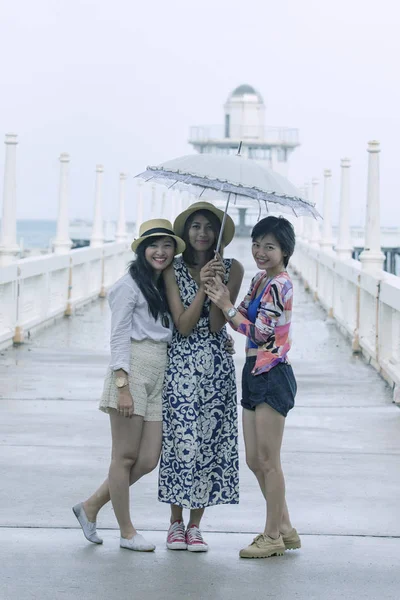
[[131, 320]]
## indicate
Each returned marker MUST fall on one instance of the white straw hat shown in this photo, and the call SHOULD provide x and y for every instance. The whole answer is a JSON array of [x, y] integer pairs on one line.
[[229, 229], [158, 227]]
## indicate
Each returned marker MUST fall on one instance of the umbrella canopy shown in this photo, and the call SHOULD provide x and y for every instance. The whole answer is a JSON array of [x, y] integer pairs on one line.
[[213, 175]]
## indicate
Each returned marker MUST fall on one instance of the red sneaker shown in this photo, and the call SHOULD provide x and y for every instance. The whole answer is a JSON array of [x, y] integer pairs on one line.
[[194, 540], [176, 539]]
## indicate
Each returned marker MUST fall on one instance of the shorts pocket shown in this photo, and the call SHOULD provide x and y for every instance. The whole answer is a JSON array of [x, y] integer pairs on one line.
[[285, 384], [259, 385], [287, 373]]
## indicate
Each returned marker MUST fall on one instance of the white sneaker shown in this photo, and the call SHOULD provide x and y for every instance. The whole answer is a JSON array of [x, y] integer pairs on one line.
[[88, 527], [137, 543]]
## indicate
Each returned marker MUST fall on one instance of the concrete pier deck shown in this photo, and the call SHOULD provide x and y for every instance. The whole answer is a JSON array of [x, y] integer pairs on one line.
[[341, 458]]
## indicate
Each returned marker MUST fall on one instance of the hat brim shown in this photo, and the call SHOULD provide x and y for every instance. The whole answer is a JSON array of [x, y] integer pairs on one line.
[[180, 244], [229, 228]]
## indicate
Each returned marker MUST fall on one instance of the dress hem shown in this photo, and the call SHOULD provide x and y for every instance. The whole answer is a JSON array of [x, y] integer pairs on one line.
[[186, 506]]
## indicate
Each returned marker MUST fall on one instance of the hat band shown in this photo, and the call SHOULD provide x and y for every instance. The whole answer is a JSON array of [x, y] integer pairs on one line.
[[157, 230]]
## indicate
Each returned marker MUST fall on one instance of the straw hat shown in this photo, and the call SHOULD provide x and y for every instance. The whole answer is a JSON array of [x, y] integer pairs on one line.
[[158, 227], [229, 229]]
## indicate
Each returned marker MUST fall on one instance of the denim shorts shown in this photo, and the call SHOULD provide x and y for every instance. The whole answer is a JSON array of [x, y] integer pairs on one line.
[[276, 387]]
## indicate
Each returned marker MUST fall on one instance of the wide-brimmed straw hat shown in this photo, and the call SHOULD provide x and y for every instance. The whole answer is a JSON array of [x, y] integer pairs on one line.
[[158, 227], [229, 229]]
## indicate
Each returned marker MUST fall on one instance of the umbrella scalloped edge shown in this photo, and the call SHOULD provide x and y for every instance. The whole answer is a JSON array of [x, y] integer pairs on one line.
[[171, 178]]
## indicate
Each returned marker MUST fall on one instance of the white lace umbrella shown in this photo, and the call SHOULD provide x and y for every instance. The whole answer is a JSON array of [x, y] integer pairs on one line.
[[211, 176]]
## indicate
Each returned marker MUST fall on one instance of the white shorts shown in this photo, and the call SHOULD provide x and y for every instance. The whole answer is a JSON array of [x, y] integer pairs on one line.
[[148, 362]]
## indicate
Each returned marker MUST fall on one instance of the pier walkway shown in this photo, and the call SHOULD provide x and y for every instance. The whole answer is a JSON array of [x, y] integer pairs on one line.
[[341, 459]]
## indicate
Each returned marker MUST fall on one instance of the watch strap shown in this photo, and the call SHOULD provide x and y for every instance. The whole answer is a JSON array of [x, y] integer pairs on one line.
[[231, 313]]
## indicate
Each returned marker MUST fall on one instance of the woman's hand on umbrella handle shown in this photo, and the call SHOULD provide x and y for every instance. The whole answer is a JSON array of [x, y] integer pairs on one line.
[[218, 293], [218, 265], [206, 274], [212, 269]]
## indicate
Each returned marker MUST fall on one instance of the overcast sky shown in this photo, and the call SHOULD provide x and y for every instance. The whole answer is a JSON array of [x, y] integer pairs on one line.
[[119, 82]]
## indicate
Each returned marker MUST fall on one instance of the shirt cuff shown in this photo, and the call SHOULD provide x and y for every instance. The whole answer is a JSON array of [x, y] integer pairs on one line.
[[116, 366]]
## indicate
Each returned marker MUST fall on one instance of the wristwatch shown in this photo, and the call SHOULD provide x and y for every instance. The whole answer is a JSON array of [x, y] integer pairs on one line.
[[121, 382], [231, 313]]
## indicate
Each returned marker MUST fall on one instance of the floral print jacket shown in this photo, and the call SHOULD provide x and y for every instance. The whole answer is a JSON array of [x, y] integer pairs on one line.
[[271, 330]]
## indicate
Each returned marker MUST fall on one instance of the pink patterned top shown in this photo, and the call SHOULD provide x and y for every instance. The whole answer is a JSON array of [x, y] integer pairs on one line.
[[271, 330]]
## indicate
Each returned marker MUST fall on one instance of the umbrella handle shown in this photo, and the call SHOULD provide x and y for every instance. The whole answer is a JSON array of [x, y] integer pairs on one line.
[[221, 232]]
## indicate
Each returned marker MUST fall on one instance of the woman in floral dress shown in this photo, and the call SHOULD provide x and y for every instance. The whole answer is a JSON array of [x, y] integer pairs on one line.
[[199, 461]]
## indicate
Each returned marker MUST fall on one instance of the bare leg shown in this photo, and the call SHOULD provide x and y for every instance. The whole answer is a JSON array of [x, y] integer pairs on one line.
[[196, 516], [149, 451], [286, 524], [250, 444], [176, 513], [126, 434], [269, 431], [254, 464], [97, 500], [149, 454]]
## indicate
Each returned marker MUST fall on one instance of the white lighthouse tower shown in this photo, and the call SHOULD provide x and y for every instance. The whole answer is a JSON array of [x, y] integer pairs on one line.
[[244, 121]]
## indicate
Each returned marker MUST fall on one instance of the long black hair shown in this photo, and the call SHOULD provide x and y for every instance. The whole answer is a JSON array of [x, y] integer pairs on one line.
[[189, 254], [143, 274]]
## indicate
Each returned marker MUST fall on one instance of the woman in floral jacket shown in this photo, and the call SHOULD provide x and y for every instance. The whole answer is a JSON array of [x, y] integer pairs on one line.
[[268, 383]]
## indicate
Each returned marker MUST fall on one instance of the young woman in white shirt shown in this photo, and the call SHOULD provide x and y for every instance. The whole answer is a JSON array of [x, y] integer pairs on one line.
[[141, 329]]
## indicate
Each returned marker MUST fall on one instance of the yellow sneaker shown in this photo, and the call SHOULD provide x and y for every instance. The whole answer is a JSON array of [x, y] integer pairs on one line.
[[263, 547], [292, 540]]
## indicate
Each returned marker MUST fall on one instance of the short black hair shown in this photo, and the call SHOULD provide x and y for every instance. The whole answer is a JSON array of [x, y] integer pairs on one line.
[[283, 232]]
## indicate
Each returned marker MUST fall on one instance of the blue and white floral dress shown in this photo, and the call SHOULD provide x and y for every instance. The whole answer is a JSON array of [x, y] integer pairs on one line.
[[199, 461]]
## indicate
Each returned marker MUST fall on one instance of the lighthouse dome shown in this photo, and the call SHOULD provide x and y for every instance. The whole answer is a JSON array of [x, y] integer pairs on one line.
[[244, 114], [245, 93]]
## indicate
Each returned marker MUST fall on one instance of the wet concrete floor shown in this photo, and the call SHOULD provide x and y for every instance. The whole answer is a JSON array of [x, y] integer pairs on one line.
[[340, 455]]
